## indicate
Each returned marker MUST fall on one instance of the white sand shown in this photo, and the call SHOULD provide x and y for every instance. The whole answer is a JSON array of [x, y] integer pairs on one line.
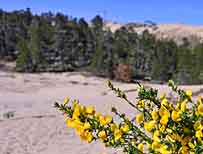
[[37, 127]]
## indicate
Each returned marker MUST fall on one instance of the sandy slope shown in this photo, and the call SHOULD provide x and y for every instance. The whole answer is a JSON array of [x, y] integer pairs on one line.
[[37, 128], [174, 31]]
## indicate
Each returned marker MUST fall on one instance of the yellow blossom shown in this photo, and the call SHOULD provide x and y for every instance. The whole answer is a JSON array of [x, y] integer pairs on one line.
[[162, 96], [90, 109], [164, 102], [164, 120], [125, 128], [87, 125], [156, 136], [199, 100], [117, 134], [140, 118], [176, 116], [189, 93], [199, 134], [69, 122], [156, 145], [200, 109], [108, 119], [66, 100], [141, 104], [87, 136], [198, 125], [162, 128], [154, 115], [149, 125], [105, 120], [140, 147], [164, 150], [79, 129], [177, 107], [76, 112], [113, 127], [102, 135], [183, 106], [164, 112]]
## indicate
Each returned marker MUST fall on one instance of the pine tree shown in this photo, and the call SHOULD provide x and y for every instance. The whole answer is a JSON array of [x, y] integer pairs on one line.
[[23, 62]]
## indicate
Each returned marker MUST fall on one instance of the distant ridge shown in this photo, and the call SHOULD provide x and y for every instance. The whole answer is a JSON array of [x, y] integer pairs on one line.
[[163, 31]]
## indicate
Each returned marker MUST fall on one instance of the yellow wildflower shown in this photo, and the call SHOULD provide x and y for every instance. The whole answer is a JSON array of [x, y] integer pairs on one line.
[[87, 136], [140, 118], [199, 134], [140, 147], [199, 100], [125, 128], [156, 145], [176, 116], [198, 125], [164, 102], [154, 115], [164, 150], [66, 100], [162, 96], [149, 125], [189, 93], [141, 104], [183, 106], [82, 109], [90, 109], [117, 134], [76, 112], [200, 109], [164, 112], [87, 125], [79, 129], [113, 127], [69, 122], [164, 120], [105, 120], [108, 119], [162, 128], [177, 107], [102, 135], [156, 136]]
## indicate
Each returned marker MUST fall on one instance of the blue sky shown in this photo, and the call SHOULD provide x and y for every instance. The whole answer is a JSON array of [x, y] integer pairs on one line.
[[160, 11]]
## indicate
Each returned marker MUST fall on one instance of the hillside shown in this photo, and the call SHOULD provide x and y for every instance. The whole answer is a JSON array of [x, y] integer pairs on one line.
[[164, 31]]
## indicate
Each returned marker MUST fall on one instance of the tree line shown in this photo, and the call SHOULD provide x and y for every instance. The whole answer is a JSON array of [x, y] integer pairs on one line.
[[56, 42]]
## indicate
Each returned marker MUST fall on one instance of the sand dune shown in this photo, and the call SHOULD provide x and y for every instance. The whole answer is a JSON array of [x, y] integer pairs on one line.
[[37, 128], [174, 31]]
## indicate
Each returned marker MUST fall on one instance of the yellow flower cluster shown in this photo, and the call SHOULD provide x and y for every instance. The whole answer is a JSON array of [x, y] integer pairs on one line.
[[174, 128], [90, 125], [159, 127]]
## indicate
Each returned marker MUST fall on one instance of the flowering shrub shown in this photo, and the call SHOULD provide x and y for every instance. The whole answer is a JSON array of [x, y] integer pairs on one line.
[[160, 127]]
